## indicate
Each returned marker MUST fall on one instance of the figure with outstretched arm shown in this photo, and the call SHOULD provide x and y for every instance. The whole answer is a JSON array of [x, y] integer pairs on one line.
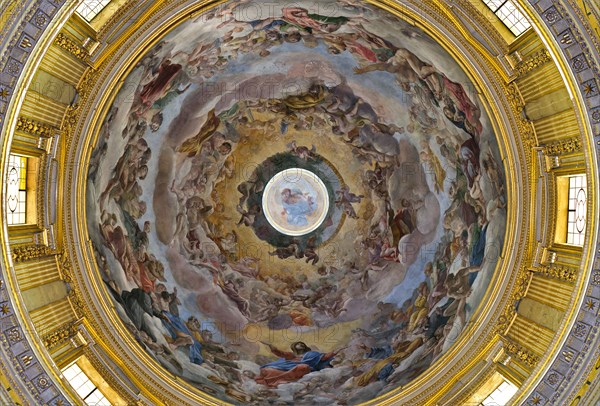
[[292, 366]]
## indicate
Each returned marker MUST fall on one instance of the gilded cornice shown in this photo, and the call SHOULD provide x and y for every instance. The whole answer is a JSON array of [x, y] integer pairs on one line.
[[526, 129], [33, 127], [558, 272], [109, 376], [73, 112], [41, 188], [483, 23], [119, 18], [474, 386], [62, 334], [65, 42], [521, 353], [563, 147], [30, 252], [75, 295], [522, 276], [533, 62], [518, 292], [551, 186]]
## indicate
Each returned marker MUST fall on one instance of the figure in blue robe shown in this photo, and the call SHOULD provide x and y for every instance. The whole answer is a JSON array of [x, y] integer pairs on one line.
[[174, 324], [313, 359], [292, 366], [297, 206], [477, 251]]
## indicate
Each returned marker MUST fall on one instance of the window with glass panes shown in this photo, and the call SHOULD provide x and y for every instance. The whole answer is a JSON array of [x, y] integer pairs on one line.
[[16, 196], [91, 8], [84, 387], [510, 15], [577, 210]]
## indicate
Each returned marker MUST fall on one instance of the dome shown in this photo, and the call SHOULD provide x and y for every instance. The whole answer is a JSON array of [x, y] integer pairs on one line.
[[324, 182], [326, 202]]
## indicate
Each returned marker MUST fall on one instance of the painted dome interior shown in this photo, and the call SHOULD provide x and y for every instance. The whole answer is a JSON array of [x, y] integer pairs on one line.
[[305, 208]]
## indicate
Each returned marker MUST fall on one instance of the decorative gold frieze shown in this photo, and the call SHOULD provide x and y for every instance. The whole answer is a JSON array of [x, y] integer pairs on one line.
[[535, 61], [563, 147], [29, 252], [87, 80], [62, 334], [66, 271], [505, 321], [557, 272], [520, 353], [519, 291], [72, 113], [33, 127], [514, 97], [482, 21], [65, 267], [526, 129], [70, 46]]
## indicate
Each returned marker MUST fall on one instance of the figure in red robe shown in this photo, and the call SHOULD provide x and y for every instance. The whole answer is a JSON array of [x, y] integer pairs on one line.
[[157, 87], [464, 104]]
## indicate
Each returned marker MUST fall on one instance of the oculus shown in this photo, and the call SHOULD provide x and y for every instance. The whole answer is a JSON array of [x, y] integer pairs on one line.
[[295, 202]]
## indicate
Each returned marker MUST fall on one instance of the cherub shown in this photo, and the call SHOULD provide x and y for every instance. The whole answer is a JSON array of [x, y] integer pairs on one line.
[[302, 152], [310, 251], [248, 216]]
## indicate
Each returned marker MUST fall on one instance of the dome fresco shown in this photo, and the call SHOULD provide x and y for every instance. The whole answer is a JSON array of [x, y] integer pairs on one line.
[[300, 203]]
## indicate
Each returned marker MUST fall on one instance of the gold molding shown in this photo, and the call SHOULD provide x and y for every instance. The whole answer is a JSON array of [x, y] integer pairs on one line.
[[523, 354], [30, 252], [62, 334], [68, 44], [33, 127], [75, 295], [533, 62], [557, 272], [563, 147], [518, 292]]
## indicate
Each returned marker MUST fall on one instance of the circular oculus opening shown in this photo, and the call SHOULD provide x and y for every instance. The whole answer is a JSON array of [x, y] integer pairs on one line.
[[295, 202]]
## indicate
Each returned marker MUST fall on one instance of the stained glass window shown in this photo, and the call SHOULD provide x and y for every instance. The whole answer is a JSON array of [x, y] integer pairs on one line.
[[84, 387], [16, 200], [510, 15], [91, 8], [577, 210]]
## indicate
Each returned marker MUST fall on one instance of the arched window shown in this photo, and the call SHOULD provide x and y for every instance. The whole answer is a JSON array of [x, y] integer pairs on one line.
[[577, 209], [16, 197]]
